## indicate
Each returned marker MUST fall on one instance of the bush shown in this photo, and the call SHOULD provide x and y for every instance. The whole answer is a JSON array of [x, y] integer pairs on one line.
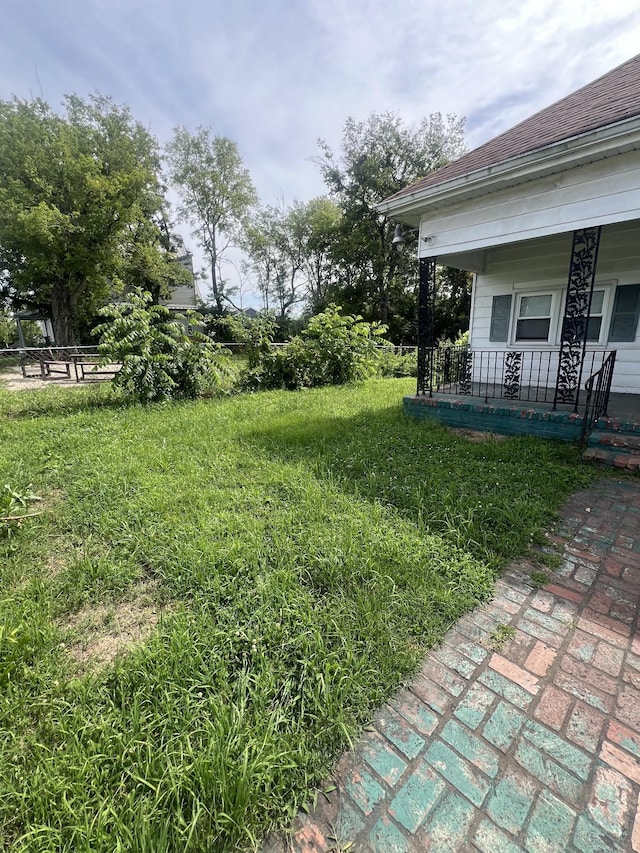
[[393, 365], [332, 350], [159, 360]]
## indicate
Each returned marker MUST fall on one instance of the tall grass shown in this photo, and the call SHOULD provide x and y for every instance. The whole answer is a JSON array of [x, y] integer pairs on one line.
[[303, 551]]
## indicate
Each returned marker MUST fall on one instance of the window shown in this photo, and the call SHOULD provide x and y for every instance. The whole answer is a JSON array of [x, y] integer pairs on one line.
[[594, 324], [624, 318], [534, 317], [500, 317]]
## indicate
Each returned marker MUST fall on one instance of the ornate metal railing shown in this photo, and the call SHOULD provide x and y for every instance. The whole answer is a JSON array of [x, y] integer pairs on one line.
[[526, 375], [598, 389]]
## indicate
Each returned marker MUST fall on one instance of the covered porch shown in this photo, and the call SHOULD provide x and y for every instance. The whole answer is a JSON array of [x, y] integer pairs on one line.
[[550, 356], [546, 217]]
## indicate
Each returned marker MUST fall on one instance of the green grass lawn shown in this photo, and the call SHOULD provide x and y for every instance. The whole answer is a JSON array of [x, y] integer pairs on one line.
[[274, 564]]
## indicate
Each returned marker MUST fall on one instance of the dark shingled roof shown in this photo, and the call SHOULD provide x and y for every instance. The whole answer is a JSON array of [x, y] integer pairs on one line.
[[611, 98]]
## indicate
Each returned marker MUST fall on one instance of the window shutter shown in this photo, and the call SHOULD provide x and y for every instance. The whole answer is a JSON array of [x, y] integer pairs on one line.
[[626, 307], [500, 316]]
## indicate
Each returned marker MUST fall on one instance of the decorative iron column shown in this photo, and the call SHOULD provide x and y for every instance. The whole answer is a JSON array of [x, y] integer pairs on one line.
[[573, 340], [426, 299]]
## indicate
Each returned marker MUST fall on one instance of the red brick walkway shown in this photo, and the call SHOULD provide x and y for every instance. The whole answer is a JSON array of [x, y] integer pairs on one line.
[[532, 744]]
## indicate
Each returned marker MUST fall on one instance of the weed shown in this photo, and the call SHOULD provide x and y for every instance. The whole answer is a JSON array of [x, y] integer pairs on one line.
[[539, 579], [14, 508], [500, 636], [550, 559]]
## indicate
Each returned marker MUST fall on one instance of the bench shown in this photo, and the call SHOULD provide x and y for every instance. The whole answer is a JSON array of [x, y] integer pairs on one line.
[[87, 368], [47, 368]]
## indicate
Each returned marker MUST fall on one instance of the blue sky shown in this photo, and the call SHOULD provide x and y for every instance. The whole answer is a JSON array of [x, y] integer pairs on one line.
[[276, 75]]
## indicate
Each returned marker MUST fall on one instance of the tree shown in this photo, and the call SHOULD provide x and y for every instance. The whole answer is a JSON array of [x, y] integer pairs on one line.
[[288, 251], [452, 303], [379, 157], [216, 193], [322, 216], [8, 329], [159, 360], [74, 188]]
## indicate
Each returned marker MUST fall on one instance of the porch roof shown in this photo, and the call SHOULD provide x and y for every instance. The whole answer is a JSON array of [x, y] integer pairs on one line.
[[610, 102]]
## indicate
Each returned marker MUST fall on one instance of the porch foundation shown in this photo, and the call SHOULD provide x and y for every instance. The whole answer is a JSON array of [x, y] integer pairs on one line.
[[523, 418], [489, 417]]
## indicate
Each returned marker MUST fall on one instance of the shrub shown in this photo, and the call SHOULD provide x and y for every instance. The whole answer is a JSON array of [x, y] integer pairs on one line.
[[392, 364], [332, 350], [159, 360]]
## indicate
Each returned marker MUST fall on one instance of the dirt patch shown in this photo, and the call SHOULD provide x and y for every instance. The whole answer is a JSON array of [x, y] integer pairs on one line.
[[99, 633], [477, 436], [13, 380]]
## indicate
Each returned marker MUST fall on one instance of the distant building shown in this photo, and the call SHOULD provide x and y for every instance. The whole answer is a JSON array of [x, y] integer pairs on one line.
[[185, 297]]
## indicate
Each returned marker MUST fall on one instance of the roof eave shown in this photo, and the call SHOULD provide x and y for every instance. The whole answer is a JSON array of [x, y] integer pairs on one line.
[[557, 157]]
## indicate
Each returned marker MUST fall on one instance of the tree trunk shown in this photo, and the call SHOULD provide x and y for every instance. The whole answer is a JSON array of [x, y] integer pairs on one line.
[[213, 256], [63, 305]]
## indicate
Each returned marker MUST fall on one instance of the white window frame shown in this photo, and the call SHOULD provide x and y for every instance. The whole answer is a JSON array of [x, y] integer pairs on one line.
[[558, 296], [607, 307], [553, 318]]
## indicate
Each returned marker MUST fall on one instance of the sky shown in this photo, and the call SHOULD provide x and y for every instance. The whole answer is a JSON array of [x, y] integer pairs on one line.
[[277, 75]]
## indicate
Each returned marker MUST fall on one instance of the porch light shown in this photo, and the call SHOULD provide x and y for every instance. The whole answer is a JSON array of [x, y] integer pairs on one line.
[[400, 235]]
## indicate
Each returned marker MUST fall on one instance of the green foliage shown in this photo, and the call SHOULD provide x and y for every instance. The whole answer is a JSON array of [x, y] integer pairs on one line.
[[452, 304], [13, 509], [216, 193], [539, 579], [393, 364], [332, 350], [500, 636], [379, 157], [78, 190], [159, 360], [289, 252], [8, 329]]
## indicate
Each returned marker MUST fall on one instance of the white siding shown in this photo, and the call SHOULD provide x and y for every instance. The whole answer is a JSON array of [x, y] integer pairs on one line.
[[543, 265], [184, 296], [601, 192]]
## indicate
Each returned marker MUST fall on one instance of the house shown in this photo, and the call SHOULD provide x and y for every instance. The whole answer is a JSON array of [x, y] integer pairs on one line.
[[185, 297], [547, 218]]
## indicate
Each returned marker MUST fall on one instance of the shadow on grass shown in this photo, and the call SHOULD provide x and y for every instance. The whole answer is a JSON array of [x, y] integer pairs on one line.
[[489, 497]]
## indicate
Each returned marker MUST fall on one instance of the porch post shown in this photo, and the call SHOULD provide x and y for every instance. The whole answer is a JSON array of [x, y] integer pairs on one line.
[[426, 298], [573, 340]]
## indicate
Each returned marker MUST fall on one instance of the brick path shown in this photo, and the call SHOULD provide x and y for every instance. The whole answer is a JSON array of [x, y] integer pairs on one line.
[[533, 746]]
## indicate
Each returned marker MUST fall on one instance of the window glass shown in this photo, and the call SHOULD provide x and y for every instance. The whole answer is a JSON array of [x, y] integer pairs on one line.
[[532, 330], [594, 324], [500, 316], [535, 306], [534, 318], [624, 318]]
